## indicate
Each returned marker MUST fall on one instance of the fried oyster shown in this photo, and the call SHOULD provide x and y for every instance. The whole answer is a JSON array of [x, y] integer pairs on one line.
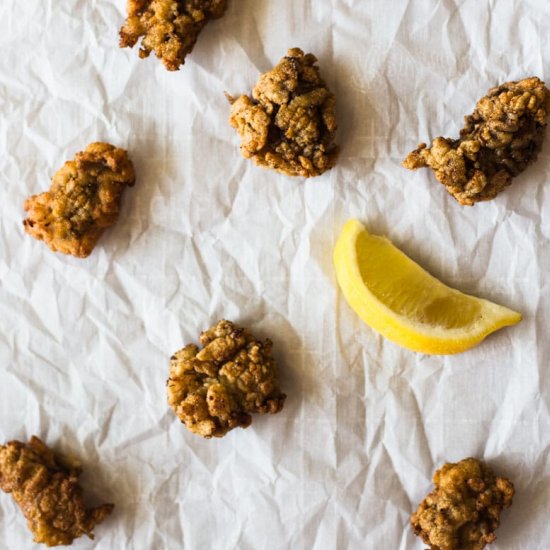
[[463, 511], [289, 124], [170, 28], [499, 140], [215, 389], [45, 487], [83, 200]]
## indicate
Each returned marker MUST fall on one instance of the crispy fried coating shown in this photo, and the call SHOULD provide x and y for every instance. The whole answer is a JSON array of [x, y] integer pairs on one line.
[[499, 140], [83, 200], [170, 28], [215, 389], [45, 487], [463, 511], [289, 124]]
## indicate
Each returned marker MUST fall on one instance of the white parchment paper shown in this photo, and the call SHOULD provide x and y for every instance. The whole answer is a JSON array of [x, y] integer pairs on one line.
[[204, 235]]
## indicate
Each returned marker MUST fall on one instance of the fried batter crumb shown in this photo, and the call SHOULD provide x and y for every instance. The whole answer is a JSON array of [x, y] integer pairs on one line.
[[463, 511], [83, 200], [45, 486], [499, 140], [216, 388], [289, 124], [170, 28]]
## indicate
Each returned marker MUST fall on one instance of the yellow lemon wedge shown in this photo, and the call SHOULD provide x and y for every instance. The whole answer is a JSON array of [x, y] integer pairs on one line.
[[404, 303]]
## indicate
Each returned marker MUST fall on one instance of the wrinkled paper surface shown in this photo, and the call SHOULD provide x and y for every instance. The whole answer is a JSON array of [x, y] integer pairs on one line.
[[205, 234]]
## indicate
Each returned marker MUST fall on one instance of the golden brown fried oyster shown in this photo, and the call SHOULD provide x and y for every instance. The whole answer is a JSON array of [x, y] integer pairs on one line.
[[463, 511], [499, 140], [83, 200], [289, 124], [170, 28], [45, 487], [215, 389]]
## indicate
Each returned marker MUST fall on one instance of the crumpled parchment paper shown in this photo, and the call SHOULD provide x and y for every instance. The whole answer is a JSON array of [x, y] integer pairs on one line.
[[204, 234]]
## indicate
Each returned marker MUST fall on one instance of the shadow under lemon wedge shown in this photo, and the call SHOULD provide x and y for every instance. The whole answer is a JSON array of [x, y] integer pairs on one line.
[[404, 303]]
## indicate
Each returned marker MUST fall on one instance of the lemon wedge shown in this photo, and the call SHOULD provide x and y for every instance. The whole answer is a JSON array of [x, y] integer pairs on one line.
[[406, 304]]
